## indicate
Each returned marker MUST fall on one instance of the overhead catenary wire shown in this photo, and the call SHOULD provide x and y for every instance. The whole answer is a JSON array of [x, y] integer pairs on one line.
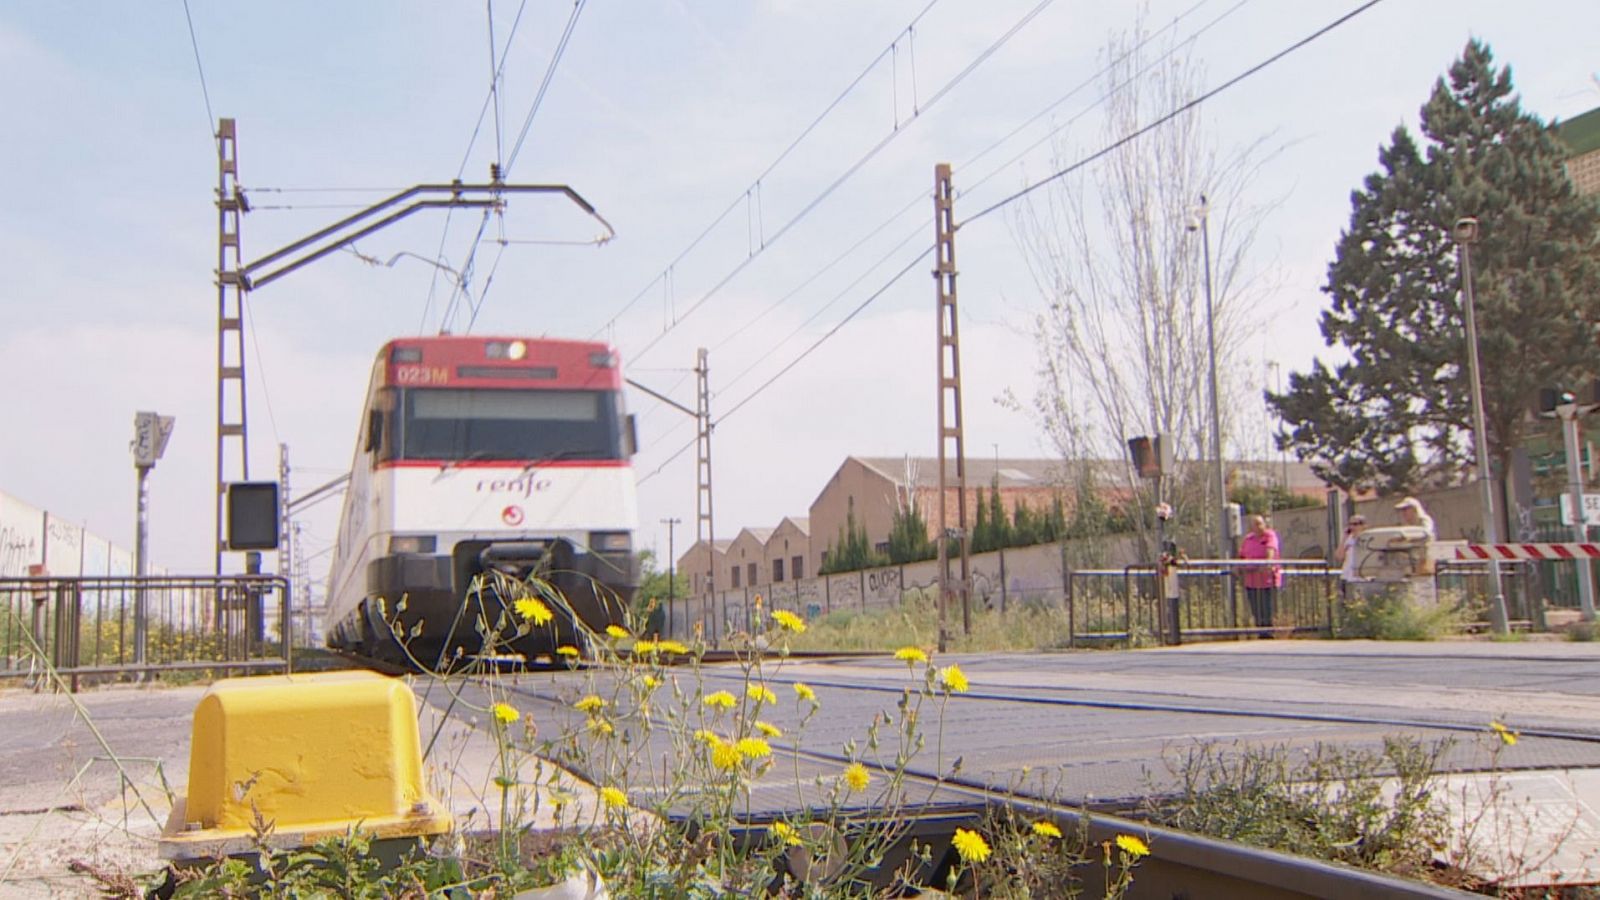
[[1172, 114], [205, 92], [848, 173], [1098, 154], [544, 85], [743, 195]]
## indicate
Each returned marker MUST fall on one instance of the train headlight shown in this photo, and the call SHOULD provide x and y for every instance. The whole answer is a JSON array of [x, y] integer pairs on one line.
[[412, 543], [611, 541]]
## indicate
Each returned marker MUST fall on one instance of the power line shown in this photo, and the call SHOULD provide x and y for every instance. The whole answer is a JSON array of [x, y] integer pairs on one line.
[[848, 173], [1120, 142], [1174, 113], [205, 92], [920, 198], [549, 74]]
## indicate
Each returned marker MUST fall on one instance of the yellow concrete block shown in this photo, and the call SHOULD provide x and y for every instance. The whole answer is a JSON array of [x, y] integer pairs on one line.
[[313, 754]]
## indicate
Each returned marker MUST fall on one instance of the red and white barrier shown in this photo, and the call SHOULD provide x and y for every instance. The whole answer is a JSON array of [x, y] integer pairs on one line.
[[1528, 551]]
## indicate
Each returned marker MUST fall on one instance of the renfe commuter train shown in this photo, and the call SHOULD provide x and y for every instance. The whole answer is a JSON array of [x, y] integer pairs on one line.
[[479, 455]]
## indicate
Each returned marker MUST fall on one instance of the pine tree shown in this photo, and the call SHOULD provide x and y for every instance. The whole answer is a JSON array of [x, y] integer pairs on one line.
[[908, 538], [1398, 415], [982, 534]]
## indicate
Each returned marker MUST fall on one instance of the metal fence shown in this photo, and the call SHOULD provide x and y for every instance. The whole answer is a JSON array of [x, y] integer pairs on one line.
[[109, 626], [1126, 604]]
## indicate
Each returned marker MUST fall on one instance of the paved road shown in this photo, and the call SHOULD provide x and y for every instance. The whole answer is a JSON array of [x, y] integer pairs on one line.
[[1091, 726]]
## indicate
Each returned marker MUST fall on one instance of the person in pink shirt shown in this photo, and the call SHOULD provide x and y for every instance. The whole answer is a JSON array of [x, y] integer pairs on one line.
[[1261, 583]]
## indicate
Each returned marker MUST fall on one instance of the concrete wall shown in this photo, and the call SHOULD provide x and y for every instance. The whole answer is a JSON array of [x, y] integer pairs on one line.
[[32, 536]]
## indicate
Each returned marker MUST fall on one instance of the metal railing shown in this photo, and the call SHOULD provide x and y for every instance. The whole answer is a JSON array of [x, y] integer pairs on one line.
[[94, 626], [1126, 604]]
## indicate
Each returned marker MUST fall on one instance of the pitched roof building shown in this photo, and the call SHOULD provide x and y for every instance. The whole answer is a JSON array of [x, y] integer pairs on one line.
[[1581, 134]]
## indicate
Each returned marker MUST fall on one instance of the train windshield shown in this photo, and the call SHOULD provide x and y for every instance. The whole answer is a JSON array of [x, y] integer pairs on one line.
[[450, 424]]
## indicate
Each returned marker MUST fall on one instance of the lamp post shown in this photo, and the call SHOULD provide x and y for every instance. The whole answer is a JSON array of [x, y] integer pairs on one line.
[[1465, 235], [1201, 221]]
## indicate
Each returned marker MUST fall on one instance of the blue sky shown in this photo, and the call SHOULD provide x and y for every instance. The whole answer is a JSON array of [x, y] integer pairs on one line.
[[662, 113]]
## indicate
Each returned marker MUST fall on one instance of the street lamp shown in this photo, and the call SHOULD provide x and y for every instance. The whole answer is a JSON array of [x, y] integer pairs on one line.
[[1465, 235], [1200, 221]]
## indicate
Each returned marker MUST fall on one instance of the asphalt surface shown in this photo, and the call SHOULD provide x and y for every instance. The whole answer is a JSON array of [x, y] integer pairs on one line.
[[1096, 728]]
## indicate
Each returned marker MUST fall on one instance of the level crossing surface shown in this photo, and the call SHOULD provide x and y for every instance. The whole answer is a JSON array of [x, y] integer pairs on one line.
[[1103, 728]]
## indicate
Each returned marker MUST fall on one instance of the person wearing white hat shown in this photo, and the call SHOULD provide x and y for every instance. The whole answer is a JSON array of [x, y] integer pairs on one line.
[[1412, 513]]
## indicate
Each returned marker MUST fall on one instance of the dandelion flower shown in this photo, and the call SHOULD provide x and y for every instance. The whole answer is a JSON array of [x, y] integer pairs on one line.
[[616, 631], [761, 693], [613, 797], [567, 650], [771, 731], [650, 682], [1132, 846], [909, 655], [788, 621], [1506, 735], [856, 777], [600, 727], [505, 713], [804, 691], [725, 756], [589, 704], [707, 737], [952, 679], [672, 647], [534, 610], [753, 748], [721, 700], [1046, 829], [971, 845], [644, 647], [785, 832]]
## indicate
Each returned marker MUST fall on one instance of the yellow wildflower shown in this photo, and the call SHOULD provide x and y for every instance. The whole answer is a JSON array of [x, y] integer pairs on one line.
[[909, 655], [761, 693], [952, 679], [971, 845], [721, 700], [650, 682], [788, 621], [534, 610], [785, 832], [505, 713], [600, 727], [753, 748], [672, 647], [804, 691], [725, 756], [707, 737], [1132, 846], [771, 731], [613, 796], [643, 647], [1506, 735], [589, 704], [567, 650], [1046, 829], [616, 631], [855, 775]]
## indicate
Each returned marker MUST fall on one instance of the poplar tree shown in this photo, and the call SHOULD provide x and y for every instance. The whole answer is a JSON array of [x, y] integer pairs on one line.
[[1397, 415]]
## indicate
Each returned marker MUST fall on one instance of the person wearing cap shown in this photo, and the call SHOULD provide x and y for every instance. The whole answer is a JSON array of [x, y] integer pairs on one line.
[[1345, 556], [1412, 513], [1261, 583]]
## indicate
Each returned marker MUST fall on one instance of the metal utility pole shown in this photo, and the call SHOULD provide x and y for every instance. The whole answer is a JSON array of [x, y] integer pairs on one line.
[[672, 575], [704, 525], [1224, 543], [950, 430], [231, 205], [235, 279], [1466, 234], [1570, 413], [150, 435]]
